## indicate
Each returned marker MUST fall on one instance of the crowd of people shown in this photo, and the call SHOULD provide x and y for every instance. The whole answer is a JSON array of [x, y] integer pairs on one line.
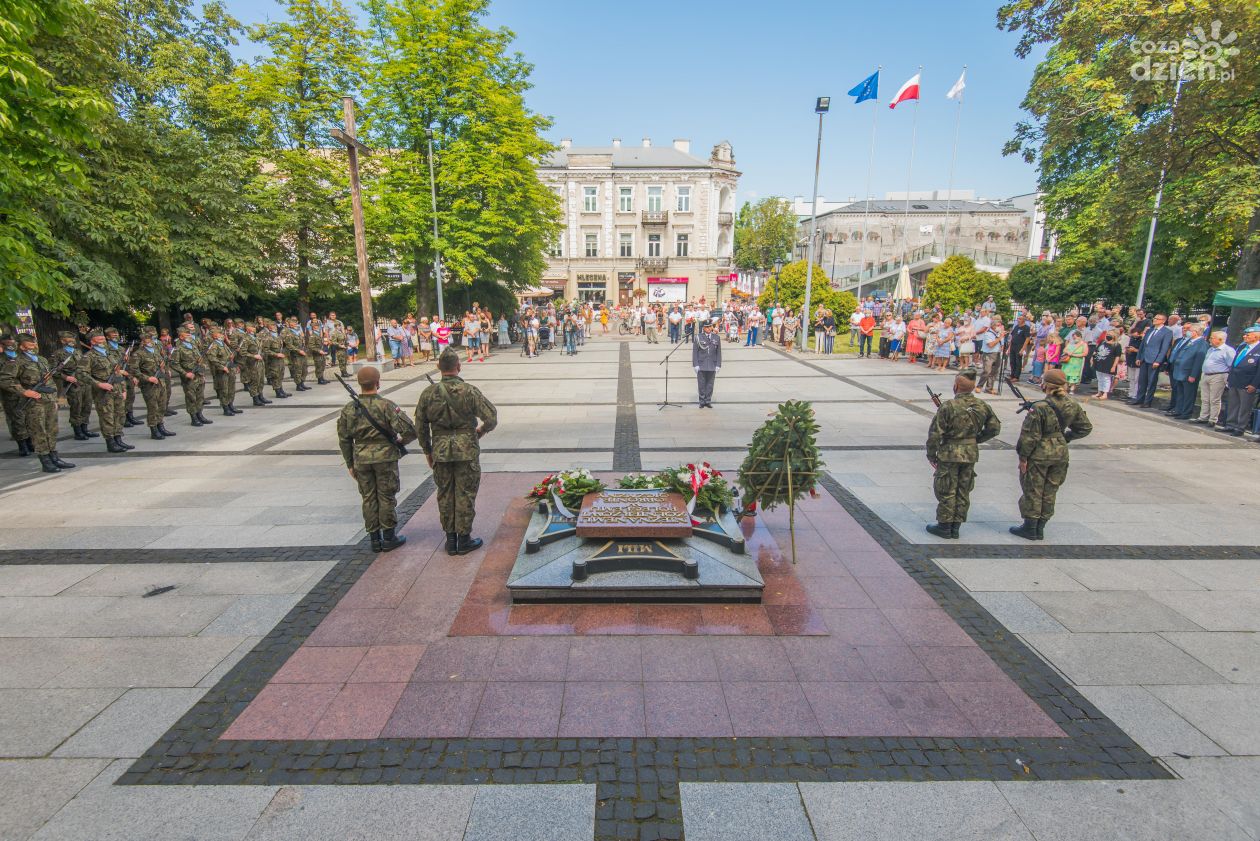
[[411, 341]]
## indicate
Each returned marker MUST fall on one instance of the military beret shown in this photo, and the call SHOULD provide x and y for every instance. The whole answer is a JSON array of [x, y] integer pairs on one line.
[[969, 373], [1055, 377], [448, 356], [67, 334], [183, 328], [214, 328], [5, 337], [25, 337], [109, 330], [96, 334]]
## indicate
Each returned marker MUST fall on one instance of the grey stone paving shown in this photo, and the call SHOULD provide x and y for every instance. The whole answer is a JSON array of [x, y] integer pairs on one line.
[[910, 811], [375, 813], [532, 813], [744, 812], [129, 725]]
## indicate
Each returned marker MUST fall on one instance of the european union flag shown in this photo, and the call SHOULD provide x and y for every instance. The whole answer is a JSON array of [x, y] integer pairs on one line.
[[866, 89]]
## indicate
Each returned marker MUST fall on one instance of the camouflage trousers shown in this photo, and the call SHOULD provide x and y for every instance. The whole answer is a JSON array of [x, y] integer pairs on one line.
[[132, 388], [79, 399], [252, 376], [194, 394], [457, 483], [154, 401], [110, 408], [14, 416], [41, 423], [225, 386], [275, 373], [337, 356], [378, 485], [321, 362], [297, 368], [952, 484], [1040, 484]]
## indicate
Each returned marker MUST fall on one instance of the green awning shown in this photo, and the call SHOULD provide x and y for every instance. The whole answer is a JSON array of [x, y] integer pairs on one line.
[[1237, 298]]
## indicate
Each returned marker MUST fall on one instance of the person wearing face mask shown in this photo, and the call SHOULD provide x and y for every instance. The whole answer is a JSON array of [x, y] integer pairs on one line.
[[78, 398], [14, 416], [29, 377]]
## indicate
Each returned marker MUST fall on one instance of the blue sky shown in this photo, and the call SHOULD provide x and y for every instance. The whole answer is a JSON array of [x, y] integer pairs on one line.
[[748, 72]]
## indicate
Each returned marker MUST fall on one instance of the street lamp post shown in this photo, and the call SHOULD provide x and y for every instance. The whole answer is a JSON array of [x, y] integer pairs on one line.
[[354, 146], [821, 106], [437, 255], [778, 267]]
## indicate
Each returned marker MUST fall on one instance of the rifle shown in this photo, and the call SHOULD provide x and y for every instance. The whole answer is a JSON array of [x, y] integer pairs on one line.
[[121, 368], [360, 409], [936, 398], [42, 386], [1025, 405]]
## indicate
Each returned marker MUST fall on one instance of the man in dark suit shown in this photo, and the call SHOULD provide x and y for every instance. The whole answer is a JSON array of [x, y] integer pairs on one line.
[[1185, 369], [1156, 343], [1243, 383]]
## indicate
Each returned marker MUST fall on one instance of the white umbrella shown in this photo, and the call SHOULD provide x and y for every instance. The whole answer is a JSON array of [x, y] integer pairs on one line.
[[903, 292]]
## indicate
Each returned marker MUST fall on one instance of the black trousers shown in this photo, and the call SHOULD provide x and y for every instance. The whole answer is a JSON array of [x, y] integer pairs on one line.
[[1017, 364], [704, 384]]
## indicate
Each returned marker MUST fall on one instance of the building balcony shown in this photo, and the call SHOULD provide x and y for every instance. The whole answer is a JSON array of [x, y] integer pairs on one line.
[[652, 263], [655, 217], [726, 218]]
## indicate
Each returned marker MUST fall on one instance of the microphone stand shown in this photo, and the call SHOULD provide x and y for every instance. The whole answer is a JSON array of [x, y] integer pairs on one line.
[[665, 362]]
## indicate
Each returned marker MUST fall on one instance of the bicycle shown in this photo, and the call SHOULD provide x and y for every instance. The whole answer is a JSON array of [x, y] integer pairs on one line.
[[624, 328]]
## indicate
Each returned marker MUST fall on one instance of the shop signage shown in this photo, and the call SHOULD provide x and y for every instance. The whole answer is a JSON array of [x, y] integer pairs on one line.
[[667, 280]]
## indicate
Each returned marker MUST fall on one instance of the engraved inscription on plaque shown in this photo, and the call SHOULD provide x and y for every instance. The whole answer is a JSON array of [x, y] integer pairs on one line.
[[634, 554], [633, 513]]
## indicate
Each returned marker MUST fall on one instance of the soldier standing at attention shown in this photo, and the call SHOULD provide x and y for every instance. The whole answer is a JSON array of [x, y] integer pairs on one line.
[[273, 357], [372, 458], [147, 364], [78, 399], [961, 425], [1043, 452], [337, 343], [315, 347], [188, 364], [294, 345], [13, 412], [446, 421], [250, 360], [219, 355], [21, 378], [96, 374]]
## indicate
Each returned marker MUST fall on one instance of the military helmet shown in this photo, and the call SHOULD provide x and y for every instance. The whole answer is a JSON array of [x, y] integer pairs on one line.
[[1054, 377]]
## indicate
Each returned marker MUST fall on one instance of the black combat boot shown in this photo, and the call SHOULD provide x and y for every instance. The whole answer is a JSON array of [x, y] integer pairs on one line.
[[281, 393], [120, 442], [170, 413], [375, 537], [201, 416], [196, 421], [391, 541], [322, 381], [227, 410], [452, 542], [59, 461], [303, 387], [263, 401], [945, 530], [30, 446], [953, 530], [89, 433], [165, 432], [132, 421], [79, 433], [48, 465], [112, 446], [23, 449], [1028, 530], [466, 543], [156, 434], [257, 400], [1041, 529]]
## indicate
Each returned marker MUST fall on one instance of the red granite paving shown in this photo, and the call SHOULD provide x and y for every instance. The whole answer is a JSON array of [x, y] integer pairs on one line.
[[845, 643]]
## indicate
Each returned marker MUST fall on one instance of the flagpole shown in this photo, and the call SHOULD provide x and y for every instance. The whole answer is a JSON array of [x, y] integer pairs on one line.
[[1159, 192], [914, 128], [821, 106], [866, 197], [953, 157]]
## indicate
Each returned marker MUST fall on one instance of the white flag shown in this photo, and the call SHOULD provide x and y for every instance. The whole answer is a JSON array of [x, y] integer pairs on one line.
[[956, 91]]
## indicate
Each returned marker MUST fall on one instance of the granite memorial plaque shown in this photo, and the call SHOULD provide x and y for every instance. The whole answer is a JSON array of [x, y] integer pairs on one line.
[[634, 513]]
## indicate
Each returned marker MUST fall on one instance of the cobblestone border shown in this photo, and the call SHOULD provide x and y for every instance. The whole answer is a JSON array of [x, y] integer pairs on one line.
[[637, 779]]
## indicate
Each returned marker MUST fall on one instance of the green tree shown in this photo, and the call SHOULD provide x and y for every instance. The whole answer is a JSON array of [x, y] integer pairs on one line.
[[791, 292], [288, 102], [1038, 285], [1103, 127], [957, 284], [436, 66], [764, 232], [45, 123]]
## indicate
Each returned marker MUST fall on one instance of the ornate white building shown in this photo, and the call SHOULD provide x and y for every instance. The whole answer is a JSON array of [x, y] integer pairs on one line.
[[650, 218]]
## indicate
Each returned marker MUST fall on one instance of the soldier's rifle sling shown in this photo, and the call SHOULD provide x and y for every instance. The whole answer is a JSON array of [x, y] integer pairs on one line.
[[360, 409]]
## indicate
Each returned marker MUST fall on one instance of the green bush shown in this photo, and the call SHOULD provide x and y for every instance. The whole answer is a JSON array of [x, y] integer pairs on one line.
[[791, 288]]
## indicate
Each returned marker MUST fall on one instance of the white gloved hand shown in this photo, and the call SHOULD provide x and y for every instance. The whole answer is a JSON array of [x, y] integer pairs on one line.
[[697, 369], [715, 370]]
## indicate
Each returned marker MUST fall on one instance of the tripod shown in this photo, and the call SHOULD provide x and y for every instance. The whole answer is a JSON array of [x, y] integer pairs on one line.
[[665, 362]]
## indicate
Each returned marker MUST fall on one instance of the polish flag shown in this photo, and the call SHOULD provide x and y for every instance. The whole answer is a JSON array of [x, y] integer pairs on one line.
[[910, 90]]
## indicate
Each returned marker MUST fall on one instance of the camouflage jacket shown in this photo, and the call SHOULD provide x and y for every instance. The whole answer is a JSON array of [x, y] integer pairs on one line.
[[294, 343], [446, 420], [1050, 425], [961, 425], [72, 368], [271, 344], [360, 442], [24, 373], [147, 361], [314, 340], [96, 367], [220, 357], [337, 336], [187, 359], [248, 347]]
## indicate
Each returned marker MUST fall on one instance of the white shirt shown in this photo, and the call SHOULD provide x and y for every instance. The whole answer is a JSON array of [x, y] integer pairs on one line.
[[855, 319]]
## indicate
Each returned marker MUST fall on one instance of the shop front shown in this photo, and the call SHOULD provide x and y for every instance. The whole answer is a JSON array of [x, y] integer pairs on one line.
[[667, 290], [555, 286], [592, 288], [625, 288]]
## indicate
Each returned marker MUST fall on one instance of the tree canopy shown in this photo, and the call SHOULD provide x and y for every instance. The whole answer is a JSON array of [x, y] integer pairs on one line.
[[956, 284], [764, 232], [791, 292]]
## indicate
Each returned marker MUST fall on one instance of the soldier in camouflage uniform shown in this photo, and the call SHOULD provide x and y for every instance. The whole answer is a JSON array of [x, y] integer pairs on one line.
[[78, 398], [250, 360], [14, 413], [295, 346], [148, 364], [108, 392], [113, 341], [337, 343], [446, 421], [220, 358], [189, 365], [273, 358], [1043, 452], [373, 459], [25, 379], [315, 347], [961, 425]]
